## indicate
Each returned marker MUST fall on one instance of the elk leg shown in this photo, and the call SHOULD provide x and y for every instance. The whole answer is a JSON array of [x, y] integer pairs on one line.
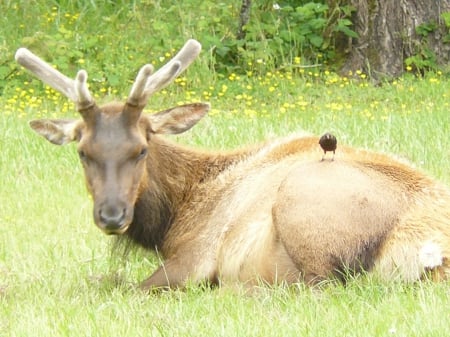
[[171, 274], [176, 273]]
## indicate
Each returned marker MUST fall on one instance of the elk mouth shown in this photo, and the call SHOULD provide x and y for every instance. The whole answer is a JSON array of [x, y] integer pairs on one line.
[[113, 230], [119, 231]]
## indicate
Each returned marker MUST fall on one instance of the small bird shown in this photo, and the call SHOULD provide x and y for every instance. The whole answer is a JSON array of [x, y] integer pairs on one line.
[[328, 143]]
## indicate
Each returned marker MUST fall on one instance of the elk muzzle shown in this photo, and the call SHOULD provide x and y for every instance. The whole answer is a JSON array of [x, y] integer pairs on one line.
[[113, 216]]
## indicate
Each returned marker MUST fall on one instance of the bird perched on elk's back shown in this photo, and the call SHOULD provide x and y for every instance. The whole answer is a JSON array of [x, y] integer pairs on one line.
[[328, 143]]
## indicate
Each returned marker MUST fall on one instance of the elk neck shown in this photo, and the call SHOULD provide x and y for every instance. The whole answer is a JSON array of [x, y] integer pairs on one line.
[[173, 174]]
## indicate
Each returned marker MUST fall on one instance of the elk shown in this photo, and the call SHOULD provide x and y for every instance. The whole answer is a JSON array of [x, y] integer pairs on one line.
[[272, 212]]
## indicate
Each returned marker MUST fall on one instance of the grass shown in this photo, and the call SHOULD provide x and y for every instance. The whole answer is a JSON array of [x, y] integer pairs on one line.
[[272, 313], [60, 277]]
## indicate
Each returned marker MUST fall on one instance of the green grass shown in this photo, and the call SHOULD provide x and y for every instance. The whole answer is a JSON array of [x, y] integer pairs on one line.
[[59, 275]]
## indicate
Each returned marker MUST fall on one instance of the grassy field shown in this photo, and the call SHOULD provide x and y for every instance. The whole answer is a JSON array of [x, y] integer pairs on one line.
[[60, 276]]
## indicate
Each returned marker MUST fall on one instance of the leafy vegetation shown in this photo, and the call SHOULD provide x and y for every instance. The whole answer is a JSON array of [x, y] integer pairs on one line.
[[73, 34], [425, 58], [59, 275], [280, 32]]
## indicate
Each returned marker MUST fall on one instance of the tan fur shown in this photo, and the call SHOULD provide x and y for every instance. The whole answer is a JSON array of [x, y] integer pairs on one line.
[[277, 213], [274, 212], [281, 214]]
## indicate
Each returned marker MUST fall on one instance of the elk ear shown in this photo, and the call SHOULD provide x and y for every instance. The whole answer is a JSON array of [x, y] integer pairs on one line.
[[57, 131], [178, 119]]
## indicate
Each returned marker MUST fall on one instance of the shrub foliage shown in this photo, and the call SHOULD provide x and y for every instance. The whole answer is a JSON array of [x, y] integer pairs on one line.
[[112, 38]]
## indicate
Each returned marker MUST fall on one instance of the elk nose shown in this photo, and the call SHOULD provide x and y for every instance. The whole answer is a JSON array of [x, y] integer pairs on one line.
[[112, 219]]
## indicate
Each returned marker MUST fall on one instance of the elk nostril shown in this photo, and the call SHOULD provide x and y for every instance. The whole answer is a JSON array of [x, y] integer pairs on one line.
[[113, 219]]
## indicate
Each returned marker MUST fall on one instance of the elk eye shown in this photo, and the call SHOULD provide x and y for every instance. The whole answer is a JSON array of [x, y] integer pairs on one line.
[[143, 153], [82, 155]]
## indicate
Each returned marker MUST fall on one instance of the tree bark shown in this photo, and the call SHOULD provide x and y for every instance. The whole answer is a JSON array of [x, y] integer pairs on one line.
[[244, 16], [387, 35]]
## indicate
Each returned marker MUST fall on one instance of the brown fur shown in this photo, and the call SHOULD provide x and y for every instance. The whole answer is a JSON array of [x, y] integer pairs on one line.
[[273, 212]]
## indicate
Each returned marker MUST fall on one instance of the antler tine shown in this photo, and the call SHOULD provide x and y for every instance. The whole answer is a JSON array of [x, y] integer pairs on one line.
[[84, 100], [137, 91], [47, 73], [173, 68]]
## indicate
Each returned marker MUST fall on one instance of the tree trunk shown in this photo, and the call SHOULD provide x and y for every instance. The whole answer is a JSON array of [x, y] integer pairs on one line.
[[388, 35], [244, 16]]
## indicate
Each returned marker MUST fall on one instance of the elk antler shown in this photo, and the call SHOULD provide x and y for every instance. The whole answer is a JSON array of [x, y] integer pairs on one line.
[[76, 90], [147, 84], [47, 73]]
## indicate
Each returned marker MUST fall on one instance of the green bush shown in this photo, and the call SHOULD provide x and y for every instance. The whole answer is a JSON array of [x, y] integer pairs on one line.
[[112, 39], [283, 35]]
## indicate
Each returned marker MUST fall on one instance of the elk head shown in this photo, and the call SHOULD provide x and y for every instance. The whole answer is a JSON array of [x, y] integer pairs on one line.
[[114, 139]]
